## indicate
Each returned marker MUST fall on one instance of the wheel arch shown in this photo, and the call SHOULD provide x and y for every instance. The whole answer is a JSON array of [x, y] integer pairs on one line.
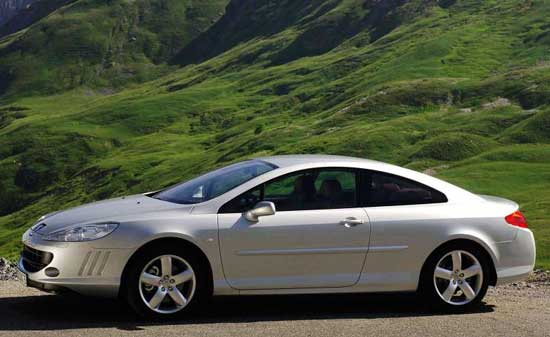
[[164, 241], [464, 241]]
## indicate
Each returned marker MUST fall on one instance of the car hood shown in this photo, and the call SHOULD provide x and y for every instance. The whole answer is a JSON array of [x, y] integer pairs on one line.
[[107, 210]]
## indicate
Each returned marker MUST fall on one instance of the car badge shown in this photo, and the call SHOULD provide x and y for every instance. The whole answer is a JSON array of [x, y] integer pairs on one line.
[[38, 227]]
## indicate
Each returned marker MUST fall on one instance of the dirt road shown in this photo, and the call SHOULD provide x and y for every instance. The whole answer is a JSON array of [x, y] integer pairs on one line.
[[509, 311]]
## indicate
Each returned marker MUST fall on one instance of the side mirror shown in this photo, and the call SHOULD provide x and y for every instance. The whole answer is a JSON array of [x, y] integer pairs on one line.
[[263, 208]]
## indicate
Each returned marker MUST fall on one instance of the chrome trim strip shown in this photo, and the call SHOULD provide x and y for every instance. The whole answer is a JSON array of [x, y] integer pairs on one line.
[[379, 249], [304, 251]]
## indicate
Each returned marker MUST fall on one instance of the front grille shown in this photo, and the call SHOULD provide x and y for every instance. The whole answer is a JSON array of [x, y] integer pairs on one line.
[[35, 260]]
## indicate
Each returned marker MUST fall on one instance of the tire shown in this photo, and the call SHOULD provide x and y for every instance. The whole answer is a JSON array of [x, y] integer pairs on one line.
[[154, 292], [456, 277]]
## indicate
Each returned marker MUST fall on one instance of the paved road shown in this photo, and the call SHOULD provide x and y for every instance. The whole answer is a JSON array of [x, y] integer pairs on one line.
[[507, 312]]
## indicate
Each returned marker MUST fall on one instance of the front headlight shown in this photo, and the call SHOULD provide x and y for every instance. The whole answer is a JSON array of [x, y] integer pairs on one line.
[[79, 233]]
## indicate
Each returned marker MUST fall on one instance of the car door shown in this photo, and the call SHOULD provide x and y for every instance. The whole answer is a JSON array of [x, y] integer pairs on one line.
[[317, 238], [406, 219]]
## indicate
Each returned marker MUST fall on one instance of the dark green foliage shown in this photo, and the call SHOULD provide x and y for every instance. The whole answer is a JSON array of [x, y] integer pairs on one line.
[[446, 3], [101, 43], [375, 18], [6, 78], [247, 19]]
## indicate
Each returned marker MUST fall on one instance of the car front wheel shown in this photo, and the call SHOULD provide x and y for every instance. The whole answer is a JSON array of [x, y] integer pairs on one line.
[[164, 283]]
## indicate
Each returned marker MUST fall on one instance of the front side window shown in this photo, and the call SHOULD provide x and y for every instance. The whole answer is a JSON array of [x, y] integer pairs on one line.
[[304, 190], [215, 183], [382, 189]]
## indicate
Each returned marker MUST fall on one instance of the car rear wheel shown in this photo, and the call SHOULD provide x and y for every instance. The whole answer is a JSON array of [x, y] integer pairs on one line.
[[165, 283], [456, 277]]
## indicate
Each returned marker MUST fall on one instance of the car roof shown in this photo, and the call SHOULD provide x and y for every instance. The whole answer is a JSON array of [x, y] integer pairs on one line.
[[299, 159]]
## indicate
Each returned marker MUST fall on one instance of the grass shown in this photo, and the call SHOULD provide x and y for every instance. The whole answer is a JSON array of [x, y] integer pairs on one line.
[[525, 182], [109, 44], [460, 90]]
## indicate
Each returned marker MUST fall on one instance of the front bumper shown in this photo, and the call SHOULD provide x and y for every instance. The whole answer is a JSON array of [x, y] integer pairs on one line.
[[47, 287], [84, 267]]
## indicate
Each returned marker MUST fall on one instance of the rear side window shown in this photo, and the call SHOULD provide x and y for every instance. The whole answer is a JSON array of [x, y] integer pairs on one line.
[[382, 189]]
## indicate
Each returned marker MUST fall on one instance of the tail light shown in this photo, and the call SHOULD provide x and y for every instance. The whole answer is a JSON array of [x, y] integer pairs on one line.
[[516, 219]]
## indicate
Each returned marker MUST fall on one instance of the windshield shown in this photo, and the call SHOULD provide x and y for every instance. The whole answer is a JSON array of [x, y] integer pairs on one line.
[[215, 183]]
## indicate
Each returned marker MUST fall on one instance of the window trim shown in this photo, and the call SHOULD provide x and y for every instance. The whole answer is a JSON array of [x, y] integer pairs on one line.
[[358, 186], [364, 202]]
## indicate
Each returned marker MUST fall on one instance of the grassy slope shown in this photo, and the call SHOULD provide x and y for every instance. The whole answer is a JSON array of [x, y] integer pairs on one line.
[[102, 43], [424, 95]]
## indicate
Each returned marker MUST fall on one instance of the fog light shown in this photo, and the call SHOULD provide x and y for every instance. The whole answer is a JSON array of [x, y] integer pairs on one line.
[[51, 272]]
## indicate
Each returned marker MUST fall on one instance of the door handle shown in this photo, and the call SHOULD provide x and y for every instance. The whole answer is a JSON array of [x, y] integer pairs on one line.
[[351, 222]]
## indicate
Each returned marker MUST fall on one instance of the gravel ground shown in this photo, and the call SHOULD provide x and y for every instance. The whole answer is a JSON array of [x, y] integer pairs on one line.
[[8, 270], [521, 309]]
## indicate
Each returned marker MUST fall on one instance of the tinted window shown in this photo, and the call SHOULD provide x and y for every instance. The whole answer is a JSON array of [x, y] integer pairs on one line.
[[243, 202], [215, 183], [305, 190], [383, 189]]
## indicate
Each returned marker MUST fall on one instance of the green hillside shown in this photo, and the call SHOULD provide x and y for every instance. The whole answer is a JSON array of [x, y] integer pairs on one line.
[[107, 44], [459, 89]]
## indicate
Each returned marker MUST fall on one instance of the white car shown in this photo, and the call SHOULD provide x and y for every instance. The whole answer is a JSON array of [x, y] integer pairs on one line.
[[284, 225]]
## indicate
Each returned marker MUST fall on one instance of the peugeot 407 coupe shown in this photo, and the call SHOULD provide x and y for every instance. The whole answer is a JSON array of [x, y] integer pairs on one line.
[[284, 225]]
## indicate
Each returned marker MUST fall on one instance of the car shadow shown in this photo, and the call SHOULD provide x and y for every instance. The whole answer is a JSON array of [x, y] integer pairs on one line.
[[71, 311]]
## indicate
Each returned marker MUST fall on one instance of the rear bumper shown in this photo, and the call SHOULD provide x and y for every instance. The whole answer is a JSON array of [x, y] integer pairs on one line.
[[516, 258]]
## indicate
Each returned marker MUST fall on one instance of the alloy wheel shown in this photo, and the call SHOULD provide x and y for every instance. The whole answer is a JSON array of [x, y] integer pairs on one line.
[[458, 277], [167, 284]]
